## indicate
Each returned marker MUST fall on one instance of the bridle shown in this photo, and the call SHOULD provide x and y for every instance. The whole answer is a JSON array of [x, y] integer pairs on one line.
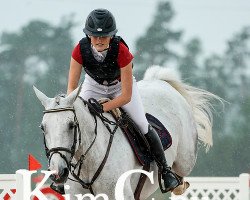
[[73, 167], [52, 151]]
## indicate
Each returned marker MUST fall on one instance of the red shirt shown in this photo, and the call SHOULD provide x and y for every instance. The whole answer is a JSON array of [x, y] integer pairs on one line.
[[123, 59]]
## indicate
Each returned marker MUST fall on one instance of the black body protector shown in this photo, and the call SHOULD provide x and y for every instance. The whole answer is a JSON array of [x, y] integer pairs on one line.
[[102, 72]]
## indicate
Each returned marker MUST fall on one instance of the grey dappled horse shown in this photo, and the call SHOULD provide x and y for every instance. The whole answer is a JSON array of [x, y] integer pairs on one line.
[[184, 110]]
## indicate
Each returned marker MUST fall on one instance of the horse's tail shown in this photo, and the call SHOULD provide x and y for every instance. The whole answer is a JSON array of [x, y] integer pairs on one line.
[[198, 99]]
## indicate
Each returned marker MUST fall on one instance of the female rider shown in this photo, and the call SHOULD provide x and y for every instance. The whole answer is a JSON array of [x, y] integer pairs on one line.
[[107, 62]]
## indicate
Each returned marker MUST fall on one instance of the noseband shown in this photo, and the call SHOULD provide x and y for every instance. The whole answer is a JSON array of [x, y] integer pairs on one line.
[[72, 150]]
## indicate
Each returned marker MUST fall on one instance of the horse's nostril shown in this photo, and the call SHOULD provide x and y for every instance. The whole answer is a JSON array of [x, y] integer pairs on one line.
[[61, 176], [64, 173]]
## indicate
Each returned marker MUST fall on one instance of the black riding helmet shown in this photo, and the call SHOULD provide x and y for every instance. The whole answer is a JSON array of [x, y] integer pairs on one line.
[[100, 22]]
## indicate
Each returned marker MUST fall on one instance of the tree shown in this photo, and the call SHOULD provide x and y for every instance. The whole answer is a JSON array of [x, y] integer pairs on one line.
[[228, 77], [154, 48], [237, 62], [188, 63], [38, 54]]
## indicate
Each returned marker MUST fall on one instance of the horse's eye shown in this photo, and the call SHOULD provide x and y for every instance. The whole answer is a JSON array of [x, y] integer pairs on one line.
[[72, 125], [42, 127]]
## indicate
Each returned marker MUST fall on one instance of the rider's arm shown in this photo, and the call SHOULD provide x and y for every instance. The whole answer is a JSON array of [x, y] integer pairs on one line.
[[74, 75], [126, 83]]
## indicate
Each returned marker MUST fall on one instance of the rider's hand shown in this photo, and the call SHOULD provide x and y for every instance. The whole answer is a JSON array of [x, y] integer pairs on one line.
[[96, 105]]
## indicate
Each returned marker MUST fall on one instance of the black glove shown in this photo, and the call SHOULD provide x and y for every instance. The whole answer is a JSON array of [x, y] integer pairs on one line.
[[96, 105]]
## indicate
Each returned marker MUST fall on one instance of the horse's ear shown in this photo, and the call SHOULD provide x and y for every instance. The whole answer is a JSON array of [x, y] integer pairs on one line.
[[73, 95], [42, 97]]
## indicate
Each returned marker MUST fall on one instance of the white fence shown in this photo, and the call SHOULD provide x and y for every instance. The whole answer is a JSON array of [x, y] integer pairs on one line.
[[7, 185], [217, 188], [201, 188]]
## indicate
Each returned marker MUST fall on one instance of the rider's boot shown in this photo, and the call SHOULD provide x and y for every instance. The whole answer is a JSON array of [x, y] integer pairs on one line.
[[170, 179]]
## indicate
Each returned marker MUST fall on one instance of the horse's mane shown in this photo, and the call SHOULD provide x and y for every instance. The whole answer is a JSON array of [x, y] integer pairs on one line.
[[198, 99]]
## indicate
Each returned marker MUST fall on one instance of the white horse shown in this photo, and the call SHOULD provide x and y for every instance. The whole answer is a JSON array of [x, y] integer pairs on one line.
[[184, 110]]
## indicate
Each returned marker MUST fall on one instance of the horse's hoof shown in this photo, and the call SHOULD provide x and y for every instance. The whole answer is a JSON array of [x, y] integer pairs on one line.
[[181, 188]]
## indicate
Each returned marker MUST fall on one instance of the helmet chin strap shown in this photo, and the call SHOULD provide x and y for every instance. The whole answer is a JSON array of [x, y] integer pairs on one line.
[[104, 49], [99, 56]]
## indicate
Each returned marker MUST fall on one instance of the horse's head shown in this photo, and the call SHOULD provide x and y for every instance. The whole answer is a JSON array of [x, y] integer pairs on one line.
[[60, 127]]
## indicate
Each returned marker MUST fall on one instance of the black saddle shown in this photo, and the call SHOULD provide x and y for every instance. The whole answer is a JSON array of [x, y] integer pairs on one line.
[[138, 142]]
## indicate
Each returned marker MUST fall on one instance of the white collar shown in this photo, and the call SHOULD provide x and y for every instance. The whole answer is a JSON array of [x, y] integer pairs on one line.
[[99, 56]]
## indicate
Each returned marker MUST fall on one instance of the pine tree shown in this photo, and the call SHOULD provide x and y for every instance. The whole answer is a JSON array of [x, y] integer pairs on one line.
[[188, 63], [155, 46]]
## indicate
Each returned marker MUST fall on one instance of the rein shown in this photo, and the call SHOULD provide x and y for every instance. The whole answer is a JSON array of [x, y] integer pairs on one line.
[[79, 163]]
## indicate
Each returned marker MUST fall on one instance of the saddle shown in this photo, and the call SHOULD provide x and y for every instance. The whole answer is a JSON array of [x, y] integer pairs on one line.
[[137, 140]]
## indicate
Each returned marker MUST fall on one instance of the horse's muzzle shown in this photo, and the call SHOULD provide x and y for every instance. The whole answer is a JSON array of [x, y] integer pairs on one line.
[[61, 177]]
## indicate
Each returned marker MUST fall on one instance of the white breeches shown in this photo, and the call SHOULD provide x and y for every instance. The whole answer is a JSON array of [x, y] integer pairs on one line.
[[92, 89]]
